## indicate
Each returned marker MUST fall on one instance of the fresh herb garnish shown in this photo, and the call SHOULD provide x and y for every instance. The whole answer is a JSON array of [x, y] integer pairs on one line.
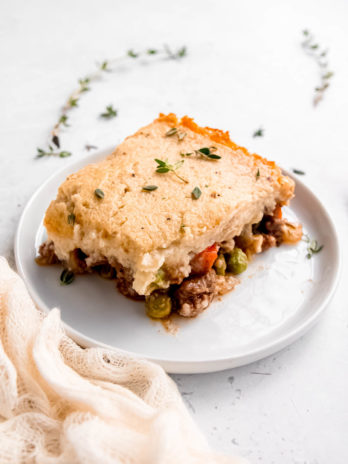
[[84, 85], [71, 219], [313, 246], [257, 174], [171, 132], [174, 131], [50, 152], [299, 172], [109, 113], [258, 133], [67, 277], [164, 167], [320, 56], [208, 152], [150, 188], [185, 154], [196, 193], [99, 193]]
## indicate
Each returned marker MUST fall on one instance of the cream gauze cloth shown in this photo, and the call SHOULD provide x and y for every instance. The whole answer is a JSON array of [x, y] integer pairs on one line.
[[60, 403]]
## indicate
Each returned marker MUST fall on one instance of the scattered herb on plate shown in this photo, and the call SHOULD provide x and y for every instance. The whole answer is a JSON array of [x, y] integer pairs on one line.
[[313, 246], [66, 277]]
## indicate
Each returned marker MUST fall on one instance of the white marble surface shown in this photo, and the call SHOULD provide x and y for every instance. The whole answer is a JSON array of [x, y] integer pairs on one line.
[[245, 68]]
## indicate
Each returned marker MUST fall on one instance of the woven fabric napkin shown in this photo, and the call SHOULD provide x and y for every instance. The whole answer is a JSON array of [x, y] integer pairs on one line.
[[60, 403]]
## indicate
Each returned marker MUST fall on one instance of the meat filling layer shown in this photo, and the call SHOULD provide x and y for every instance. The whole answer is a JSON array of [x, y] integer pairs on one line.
[[213, 271]]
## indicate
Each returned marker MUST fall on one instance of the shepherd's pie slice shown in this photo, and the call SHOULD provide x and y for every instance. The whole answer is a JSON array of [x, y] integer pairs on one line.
[[174, 212]]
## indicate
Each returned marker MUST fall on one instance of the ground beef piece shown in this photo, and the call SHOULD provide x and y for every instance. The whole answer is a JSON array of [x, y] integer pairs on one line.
[[76, 262], [195, 294], [47, 254], [282, 230], [268, 241], [124, 281]]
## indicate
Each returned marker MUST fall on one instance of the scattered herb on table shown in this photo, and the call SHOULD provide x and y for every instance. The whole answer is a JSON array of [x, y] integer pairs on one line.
[[99, 193], [84, 85], [51, 152], [164, 167], [313, 246], [150, 188], [196, 193], [313, 49], [67, 277], [259, 133], [109, 112], [90, 147], [71, 219], [299, 172]]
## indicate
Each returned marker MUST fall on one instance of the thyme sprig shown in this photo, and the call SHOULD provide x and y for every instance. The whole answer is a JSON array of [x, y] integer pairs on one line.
[[205, 152], [109, 112], [164, 166], [174, 131], [313, 246], [313, 49], [51, 152], [259, 132], [85, 83]]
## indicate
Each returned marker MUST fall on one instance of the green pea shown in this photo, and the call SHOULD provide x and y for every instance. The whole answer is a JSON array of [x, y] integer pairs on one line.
[[220, 265], [237, 261], [158, 305]]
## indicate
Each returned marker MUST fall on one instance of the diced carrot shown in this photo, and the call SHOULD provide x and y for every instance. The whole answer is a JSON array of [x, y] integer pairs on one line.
[[277, 213], [203, 261]]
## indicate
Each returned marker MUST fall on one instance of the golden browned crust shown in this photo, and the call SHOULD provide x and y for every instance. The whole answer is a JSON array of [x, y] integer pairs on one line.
[[166, 226]]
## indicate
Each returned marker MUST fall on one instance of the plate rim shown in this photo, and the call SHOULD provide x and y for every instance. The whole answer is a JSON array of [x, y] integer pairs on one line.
[[182, 366]]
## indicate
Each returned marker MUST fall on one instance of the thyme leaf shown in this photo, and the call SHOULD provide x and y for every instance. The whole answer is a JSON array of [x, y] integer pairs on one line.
[[258, 133], [196, 193], [299, 172], [99, 193], [174, 131], [164, 166], [67, 277], [257, 174], [208, 152], [109, 113], [313, 246], [150, 188]]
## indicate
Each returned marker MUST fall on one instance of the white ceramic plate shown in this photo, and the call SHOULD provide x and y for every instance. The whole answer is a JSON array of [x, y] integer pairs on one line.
[[280, 296]]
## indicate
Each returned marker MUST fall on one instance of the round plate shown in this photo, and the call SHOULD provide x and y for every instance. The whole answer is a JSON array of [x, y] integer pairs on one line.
[[280, 296]]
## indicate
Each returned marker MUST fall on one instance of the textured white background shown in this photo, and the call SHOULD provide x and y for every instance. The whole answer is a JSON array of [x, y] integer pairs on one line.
[[245, 68]]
